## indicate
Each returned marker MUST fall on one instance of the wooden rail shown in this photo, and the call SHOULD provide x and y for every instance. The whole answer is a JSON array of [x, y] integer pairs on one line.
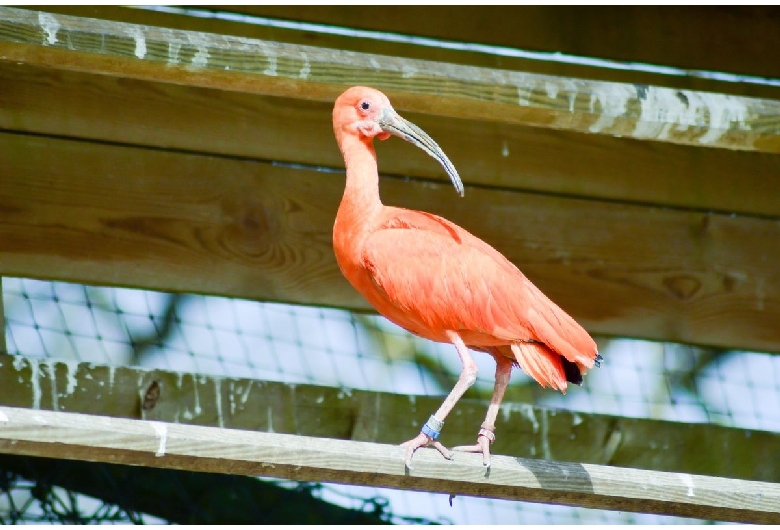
[[158, 219], [278, 69], [715, 38], [524, 430], [189, 447]]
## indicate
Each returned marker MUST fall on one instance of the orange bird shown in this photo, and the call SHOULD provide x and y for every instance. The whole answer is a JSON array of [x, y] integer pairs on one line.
[[436, 280]]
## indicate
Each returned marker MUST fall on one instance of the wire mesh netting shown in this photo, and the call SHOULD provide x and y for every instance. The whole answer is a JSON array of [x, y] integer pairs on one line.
[[293, 344]]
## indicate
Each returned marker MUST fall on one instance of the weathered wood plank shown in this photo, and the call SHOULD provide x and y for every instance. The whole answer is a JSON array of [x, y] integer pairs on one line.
[[441, 89], [553, 66], [94, 213], [715, 38], [61, 103], [524, 430], [195, 448]]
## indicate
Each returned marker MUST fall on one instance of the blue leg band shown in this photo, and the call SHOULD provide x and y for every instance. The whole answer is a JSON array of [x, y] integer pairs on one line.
[[432, 428]]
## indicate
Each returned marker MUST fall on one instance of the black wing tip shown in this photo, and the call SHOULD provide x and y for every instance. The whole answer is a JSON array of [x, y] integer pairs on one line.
[[571, 371]]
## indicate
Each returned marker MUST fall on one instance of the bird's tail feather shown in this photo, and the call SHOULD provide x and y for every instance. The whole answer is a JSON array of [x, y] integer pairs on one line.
[[541, 363], [556, 328]]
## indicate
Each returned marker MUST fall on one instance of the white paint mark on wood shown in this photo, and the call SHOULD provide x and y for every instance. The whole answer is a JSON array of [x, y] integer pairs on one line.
[[375, 63], [245, 396], [161, 433], [3, 417], [73, 368], [201, 57], [140, 41], [173, 52], [344, 392], [687, 480], [35, 380], [528, 411], [52, 369], [524, 95], [408, 71], [612, 99], [270, 414], [197, 410], [306, 68], [232, 398], [504, 149], [725, 112], [111, 374], [218, 402], [50, 25], [576, 419], [661, 109], [665, 110], [551, 89]]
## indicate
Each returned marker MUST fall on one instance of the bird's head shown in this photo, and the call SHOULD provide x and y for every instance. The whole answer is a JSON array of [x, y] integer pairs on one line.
[[367, 113]]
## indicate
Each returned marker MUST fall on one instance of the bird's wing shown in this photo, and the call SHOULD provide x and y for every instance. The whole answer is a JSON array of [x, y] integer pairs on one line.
[[449, 279]]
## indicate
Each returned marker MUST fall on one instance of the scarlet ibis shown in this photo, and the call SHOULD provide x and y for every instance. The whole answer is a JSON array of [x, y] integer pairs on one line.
[[438, 281]]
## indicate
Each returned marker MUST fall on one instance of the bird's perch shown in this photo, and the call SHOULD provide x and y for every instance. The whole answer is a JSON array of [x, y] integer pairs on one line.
[[158, 444]]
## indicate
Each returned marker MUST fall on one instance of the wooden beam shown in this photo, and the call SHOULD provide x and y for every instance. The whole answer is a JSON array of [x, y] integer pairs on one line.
[[524, 430], [61, 103], [271, 68], [714, 38], [195, 448], [96, 213], [229, 24]]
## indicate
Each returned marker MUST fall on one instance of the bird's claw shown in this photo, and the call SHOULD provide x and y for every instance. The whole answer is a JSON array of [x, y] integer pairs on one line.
[[482, 446], [423, 440]]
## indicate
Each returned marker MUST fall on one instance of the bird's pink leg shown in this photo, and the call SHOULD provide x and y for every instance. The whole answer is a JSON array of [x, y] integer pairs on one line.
[[486, 436], [430, 432]]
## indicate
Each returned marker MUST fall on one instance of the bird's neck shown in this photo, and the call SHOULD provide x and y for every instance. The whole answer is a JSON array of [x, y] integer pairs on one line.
[[361, 194]]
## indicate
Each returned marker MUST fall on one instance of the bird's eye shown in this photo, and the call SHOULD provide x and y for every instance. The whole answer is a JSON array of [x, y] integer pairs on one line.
[[365, 105]]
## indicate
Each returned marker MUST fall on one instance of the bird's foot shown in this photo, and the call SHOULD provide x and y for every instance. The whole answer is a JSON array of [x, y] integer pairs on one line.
[[484, 440], [427, 437]]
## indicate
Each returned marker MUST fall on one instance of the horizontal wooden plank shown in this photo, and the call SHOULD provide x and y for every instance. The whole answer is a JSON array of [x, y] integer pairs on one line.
[[94, 213], [441, 89], [196, 448], [524, 430], [62, 103], [715, 38], [227, 24]]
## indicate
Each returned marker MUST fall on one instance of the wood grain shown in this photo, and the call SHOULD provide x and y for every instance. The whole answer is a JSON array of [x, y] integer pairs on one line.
[[96, 213], [461, 17], [524, 430], [62, 103], [441, 89], [195, 448]]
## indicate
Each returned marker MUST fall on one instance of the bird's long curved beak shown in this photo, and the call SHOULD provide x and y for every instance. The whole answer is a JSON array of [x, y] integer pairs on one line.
[[394, 124]]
